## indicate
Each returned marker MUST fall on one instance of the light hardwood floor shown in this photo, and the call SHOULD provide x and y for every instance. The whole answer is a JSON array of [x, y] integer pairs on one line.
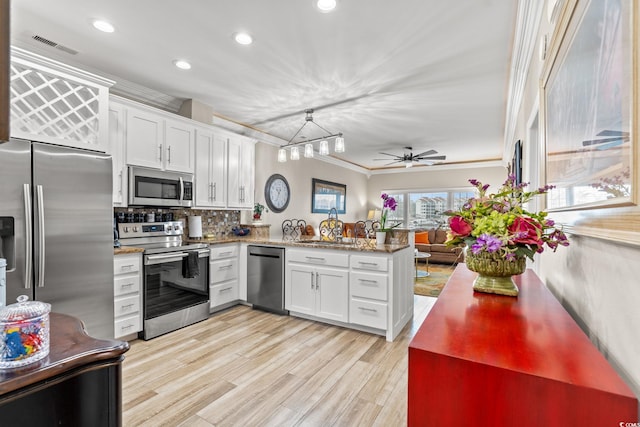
[[244, 367]]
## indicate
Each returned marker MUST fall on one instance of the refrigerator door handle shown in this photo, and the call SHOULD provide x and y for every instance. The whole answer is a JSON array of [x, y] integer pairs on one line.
[[41, 253], [28, 259]]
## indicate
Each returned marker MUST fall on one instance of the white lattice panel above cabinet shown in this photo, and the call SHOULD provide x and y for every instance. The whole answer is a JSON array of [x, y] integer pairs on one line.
[[53, 102]]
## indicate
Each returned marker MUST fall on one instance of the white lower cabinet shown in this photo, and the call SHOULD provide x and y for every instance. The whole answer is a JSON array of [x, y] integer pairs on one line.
[[319, 291], [368, 291], [223, 276], [368, 313], [368, 299], [127, 291]]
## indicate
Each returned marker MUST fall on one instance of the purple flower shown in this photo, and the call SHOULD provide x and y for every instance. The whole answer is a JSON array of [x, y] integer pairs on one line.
[[474, 182], [486, 242], [493, 243], [476, 248]]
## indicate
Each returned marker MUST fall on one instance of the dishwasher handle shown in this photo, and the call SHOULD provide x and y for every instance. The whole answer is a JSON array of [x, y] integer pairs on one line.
[[265, 251], [265, 255]]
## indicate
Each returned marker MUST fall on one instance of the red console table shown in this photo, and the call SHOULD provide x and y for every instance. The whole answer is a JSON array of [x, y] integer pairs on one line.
[[490, 360]]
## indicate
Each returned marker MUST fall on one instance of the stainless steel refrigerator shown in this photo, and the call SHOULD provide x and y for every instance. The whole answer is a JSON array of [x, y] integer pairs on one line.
[[56, 230]]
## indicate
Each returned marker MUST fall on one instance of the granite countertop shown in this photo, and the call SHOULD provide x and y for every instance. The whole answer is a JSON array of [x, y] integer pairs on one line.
[[127, 250], [314, 243]]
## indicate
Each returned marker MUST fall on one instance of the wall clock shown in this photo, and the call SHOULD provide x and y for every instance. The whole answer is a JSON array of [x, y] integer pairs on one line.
[[277, 193]]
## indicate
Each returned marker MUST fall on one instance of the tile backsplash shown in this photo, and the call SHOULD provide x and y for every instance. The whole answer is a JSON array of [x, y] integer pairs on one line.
[[216, 223]]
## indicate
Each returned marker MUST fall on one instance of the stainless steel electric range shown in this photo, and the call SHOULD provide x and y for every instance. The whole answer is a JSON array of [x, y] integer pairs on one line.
[[176, 276]]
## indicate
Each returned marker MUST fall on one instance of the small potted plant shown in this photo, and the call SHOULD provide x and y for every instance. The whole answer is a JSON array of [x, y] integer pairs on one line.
[[388, 204], [257, 212]]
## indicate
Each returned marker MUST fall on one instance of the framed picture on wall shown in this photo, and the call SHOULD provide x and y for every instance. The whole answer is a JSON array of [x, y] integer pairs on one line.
[[590, 120], [326, 195], [516, 162], [588, 102]]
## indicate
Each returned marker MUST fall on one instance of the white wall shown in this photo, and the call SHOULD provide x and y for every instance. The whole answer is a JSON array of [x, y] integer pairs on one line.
[[299, 174], [595, 280]]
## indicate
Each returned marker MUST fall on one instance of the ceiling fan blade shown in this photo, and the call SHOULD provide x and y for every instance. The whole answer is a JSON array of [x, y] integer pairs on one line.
[[608, 132], [393, 163], [426, 153], [387, 154], [431, 158], [602, 141]]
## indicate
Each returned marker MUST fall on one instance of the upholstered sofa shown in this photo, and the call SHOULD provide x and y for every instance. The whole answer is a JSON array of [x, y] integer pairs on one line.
[[432, 241]]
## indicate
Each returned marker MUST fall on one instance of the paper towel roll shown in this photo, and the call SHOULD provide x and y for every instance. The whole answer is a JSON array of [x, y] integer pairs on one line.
[[195, 226]]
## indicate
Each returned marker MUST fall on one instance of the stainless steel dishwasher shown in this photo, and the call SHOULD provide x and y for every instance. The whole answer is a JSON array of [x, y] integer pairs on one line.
[[265, 278]]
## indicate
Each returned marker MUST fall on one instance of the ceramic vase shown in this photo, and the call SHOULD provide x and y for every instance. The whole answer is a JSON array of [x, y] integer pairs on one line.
[[381, 236], [495, 272]]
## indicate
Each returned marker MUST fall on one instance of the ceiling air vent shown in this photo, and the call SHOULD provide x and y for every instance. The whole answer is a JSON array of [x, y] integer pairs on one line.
[[54, 44]]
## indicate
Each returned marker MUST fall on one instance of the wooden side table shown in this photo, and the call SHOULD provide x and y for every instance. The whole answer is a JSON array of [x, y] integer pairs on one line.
[[78, 384]]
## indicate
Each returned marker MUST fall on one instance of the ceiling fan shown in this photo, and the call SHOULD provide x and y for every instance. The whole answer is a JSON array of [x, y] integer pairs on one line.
[[408, 157], [614, 139]]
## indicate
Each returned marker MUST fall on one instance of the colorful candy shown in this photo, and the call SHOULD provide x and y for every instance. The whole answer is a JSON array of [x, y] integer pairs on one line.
[[24, 333]]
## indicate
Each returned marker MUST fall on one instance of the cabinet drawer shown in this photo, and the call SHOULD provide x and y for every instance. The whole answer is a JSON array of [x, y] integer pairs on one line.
[[126, 284], [126, 306], [126, 264], [368, 285], [128, 325], [218, 252], [369, 262], [223, 293], [222, 270], [319, 257], [368, 313]]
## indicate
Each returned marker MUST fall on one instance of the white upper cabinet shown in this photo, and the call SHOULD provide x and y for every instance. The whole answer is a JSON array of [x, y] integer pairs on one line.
[[157, 142], [211, 168], [222, 162], [56, 103], [144, 136], [180, 146], [241, 172]]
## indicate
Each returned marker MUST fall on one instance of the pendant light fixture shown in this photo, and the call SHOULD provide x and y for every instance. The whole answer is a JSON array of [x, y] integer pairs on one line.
[[323, 148]]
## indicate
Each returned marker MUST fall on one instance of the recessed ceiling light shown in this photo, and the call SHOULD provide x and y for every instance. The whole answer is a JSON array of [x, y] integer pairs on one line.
[[183, 65], [326, 5], [243, 38], [103, 26]]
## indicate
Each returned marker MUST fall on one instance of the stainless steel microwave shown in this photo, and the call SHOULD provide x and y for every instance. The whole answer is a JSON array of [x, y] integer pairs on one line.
[[150, 187]]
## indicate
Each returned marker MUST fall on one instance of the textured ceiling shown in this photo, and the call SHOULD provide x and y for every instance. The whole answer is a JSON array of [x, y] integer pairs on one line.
[[431, 74]]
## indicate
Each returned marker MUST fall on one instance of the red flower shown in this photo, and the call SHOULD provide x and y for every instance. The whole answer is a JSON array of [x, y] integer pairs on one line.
[[526, 231], [459, 227]]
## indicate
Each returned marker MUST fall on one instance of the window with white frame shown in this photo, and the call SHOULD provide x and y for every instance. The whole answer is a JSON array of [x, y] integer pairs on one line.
[[426, 208]]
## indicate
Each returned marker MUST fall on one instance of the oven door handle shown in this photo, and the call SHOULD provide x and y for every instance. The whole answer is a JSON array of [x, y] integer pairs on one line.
[[159, 259], [173, 256]]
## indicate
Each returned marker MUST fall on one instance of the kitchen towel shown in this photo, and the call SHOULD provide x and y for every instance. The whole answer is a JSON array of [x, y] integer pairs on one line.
[[195, 226], [190, 267]]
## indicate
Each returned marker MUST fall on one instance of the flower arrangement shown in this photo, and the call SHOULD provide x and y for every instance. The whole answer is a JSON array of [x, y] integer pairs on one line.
[[388, 204], [499, 224]]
